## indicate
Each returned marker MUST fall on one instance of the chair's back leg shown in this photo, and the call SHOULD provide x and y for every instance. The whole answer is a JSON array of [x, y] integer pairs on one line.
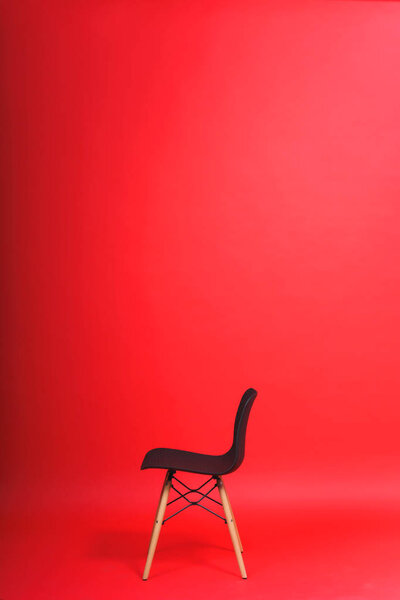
[[231, 526], [234, 521], [157, 523]]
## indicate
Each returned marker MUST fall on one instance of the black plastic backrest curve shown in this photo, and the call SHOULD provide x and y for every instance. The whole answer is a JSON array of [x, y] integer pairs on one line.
[[239, 432]]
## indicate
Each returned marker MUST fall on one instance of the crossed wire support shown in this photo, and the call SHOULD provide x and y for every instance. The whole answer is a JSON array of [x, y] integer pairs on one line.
[[194, 502]]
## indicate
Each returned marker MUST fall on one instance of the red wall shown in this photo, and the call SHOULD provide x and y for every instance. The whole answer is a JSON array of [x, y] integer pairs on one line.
[[199, 198]]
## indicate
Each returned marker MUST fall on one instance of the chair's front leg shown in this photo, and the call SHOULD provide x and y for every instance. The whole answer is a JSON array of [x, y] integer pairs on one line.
[[231, 527], [157, 523]]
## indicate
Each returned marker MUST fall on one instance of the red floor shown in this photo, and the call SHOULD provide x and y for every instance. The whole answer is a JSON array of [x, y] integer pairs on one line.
[[304, 547]]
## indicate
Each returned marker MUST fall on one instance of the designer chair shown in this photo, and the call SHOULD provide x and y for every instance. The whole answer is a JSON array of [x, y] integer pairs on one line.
[[205, 464]]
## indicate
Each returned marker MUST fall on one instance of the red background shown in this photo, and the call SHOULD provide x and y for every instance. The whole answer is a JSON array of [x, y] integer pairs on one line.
[[198, 198]]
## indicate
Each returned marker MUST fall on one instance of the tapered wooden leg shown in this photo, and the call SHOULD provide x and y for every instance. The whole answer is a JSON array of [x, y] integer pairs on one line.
[[234, 522], [231, 526], [157, 524]]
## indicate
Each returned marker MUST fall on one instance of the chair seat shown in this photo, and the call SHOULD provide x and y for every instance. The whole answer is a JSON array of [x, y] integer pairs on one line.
[[192, 462]]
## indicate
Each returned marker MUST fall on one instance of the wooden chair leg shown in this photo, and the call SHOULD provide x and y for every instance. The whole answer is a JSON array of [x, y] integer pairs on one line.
[[157, 524], [231, 527], [234, 522]]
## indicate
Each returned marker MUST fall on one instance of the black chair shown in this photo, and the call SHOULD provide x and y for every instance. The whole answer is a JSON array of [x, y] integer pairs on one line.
[[205, 464]]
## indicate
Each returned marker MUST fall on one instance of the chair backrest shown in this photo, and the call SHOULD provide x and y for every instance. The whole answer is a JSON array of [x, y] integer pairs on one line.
[[239, 432]]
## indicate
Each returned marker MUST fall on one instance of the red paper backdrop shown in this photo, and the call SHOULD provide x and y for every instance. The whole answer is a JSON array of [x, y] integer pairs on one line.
[[199, 198]]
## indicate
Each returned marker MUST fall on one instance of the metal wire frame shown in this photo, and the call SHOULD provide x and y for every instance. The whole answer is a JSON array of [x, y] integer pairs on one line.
[[194, 502]]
